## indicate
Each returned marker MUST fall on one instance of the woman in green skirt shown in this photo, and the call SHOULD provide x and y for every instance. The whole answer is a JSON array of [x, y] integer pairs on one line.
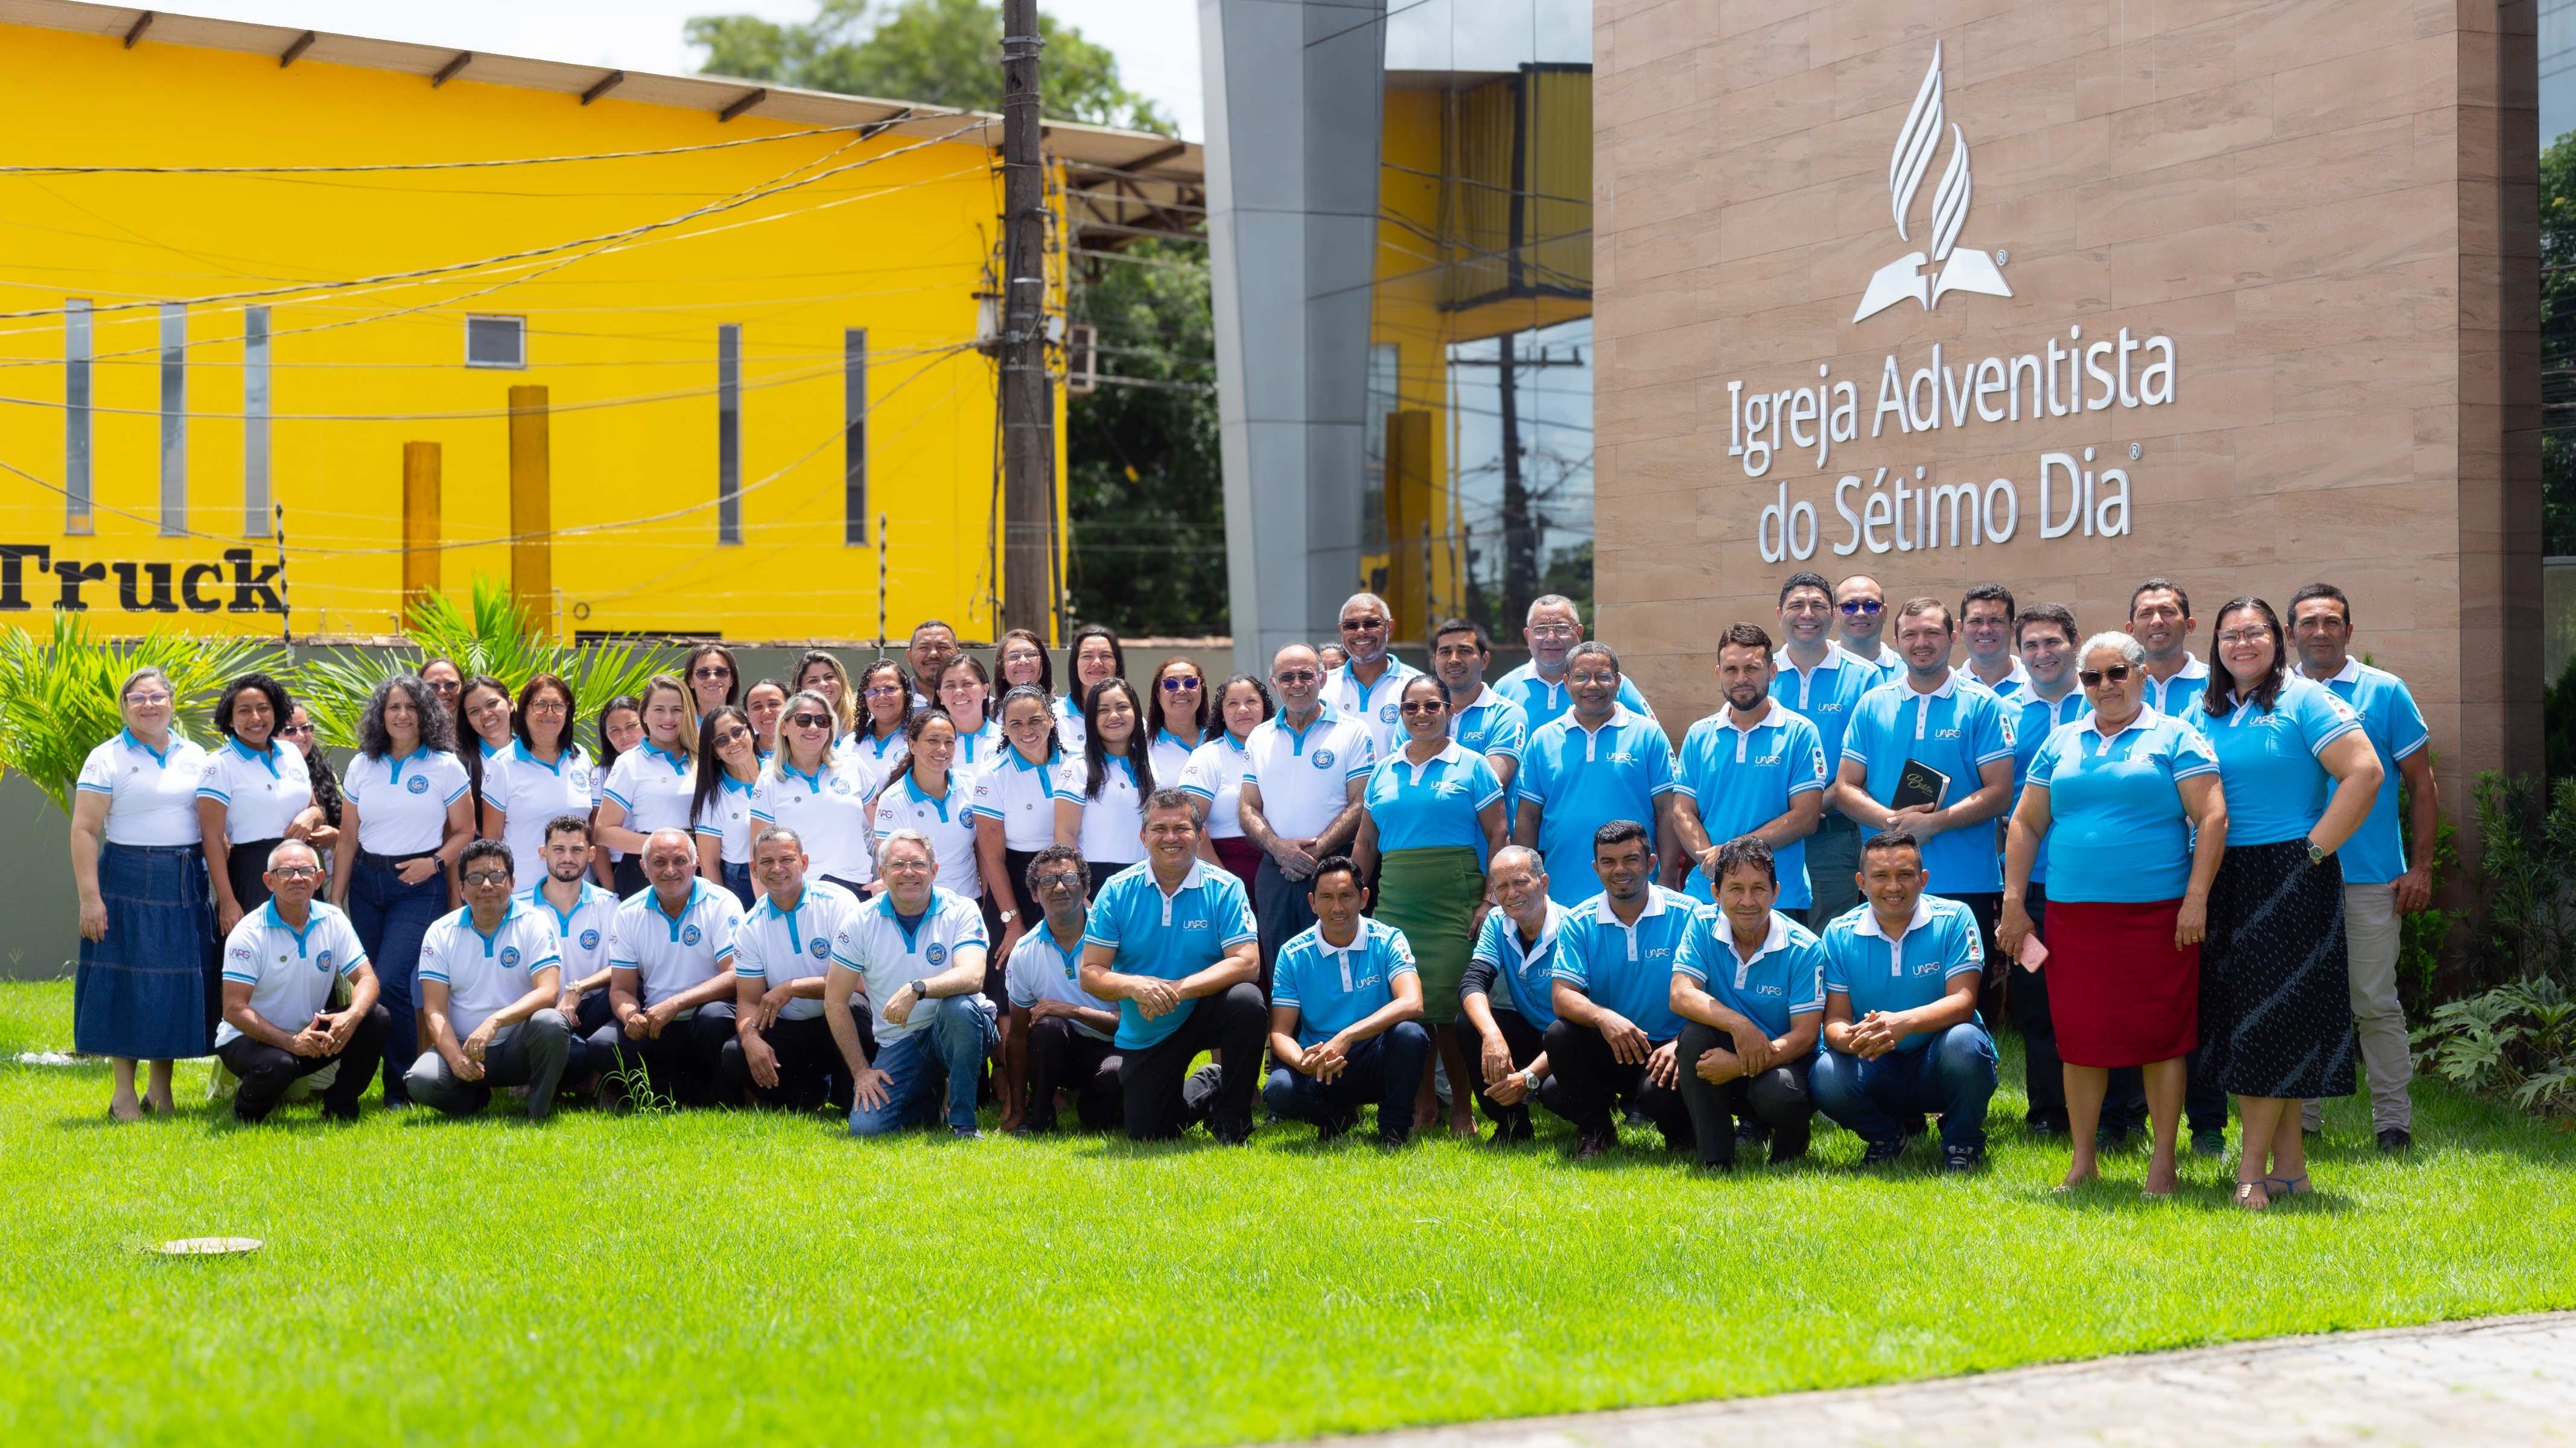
[[1432, 817]]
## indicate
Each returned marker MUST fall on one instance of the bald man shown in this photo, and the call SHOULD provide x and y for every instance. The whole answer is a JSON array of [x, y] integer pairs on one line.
[[1368, 687]]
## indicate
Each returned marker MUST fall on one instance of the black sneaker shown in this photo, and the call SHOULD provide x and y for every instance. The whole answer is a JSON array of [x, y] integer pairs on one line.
[[1395, 1140], [1882, 1153], [1590, 1144], [967, 1133], [2047, 1123], [1960, 1160], [2396, 1139], [1750, 1133], [1787, 1148], [2209, 1142]]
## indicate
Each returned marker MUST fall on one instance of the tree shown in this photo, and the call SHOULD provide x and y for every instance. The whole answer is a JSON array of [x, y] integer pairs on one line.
[[1146, 503], [943, 52]]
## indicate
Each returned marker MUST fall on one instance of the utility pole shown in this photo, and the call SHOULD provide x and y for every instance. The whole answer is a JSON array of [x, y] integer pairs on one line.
[[1520, 523], [1027, 393]]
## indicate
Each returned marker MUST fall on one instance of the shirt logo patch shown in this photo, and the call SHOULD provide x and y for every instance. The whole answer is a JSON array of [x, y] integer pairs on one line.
[[1323, 759], [1386, 713], [840, 786], [1945, 733], [1623, 756], [937, 954], [689, 935], [577, 778], [590, 940], [818, 947], [322, 962], [419, 784], [509, 957]]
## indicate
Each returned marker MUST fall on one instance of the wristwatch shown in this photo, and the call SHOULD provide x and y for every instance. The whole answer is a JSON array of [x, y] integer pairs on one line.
[[1008, 916], [2316, 853], [920, 990]]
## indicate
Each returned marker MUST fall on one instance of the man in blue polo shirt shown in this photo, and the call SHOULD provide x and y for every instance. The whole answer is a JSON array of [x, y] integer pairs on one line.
[[1172, 941], [1515, 953], [1553, 630], [1479, 718], [1752, 768], [1346, 1016], [1986, 615], [1612, 1043], [1749, 986], [2160, 620], [1862, 605], [1943, 719], [1901, 1031], [1599, 763], [2383, 879], [1825, 685]]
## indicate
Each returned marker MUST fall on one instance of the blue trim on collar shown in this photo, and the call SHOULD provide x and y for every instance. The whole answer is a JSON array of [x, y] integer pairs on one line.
[[160, 756]]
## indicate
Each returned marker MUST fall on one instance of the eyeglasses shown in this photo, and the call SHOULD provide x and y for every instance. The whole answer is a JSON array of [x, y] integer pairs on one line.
[[810, 721], [1295, 676], [295, 872], [1422, 706], [291, 730], [1605, 681], [488, 877], [711, 672], [548, 705], [1066, 881], [147, 701], [2240, 637], [1178, 685], [732, 737], [881, 691], [1860, 606], [2092, 678], [1358, 625], [1553, 631]]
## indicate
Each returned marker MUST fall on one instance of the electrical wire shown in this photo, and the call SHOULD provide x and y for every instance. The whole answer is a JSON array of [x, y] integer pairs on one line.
[[864, 129]]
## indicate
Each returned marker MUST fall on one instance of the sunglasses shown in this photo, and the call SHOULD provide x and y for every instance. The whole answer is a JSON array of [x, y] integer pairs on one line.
[[732, 737], [1359, 625], [1058, 882], [811, 721], [1180, 686], [883, 691], [1294, 676], [711, 674], [1860, 606], [2092, 678], [488, 877], [295, 872], [1423, 706], [291, 730]]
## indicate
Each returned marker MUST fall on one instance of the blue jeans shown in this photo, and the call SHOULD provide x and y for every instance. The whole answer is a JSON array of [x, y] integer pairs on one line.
[[953, 1043], [737, 878], [1386, 1068], [1954, 1074], [390, 918]]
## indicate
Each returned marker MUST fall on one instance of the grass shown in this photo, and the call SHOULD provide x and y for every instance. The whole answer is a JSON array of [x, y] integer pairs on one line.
[[710, 1277]]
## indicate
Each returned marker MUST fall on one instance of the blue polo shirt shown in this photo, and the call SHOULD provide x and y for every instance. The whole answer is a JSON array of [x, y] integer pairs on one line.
[[1957, 729], [1742, 779], [1909, 972], [1627, 968], [1490, 724], [1890, 664], [2376, 853], [1542, 702], [2179, 695], [1168, 937], [2117, 829], [1527, 970], [1335, 988], [2033, 721], [1433, 805], [1783, 978], [1582, 779], [1826, 695], [2012, 688], [2267, 761]]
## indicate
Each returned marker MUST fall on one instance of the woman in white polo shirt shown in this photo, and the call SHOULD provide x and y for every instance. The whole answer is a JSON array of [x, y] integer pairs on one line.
[[1093, 657], [256, 794], [482, 735], [148, 942], [405, 817], [820, 792], [931, 792], [885, 701], [649, 786], [544, 775], [1100, 792], [1015, 809], [821, 671], [965, 694], [720, 804], [1179, 713], [1215, 774], [762, 704]]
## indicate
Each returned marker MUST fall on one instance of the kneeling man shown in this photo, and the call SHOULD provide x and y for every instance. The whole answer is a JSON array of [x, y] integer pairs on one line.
[[1062, 1035], [279, 965], [1902, 1034], [670, 974], [1613, 1041], [1515, 953], [1750, 989], [918, 951], [782, 1052], [1345, 1015], [490, 976]]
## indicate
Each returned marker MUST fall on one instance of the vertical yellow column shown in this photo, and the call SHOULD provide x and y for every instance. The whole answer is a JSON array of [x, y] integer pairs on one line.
[[1408, 515], [420, 523], [532, 549]]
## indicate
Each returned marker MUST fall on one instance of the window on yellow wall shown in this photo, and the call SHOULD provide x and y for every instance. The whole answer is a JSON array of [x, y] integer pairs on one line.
[[496, 341]]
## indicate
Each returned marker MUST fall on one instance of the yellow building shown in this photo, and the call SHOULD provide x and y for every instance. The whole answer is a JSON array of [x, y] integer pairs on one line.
[[670, 393]]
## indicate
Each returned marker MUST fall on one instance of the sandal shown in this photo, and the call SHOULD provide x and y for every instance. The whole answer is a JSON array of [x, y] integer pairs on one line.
[[2249, 1195], [2296, 1186]]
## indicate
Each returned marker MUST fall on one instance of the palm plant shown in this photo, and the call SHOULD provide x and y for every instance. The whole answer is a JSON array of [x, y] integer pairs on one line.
[[492, 635], [58, 693]]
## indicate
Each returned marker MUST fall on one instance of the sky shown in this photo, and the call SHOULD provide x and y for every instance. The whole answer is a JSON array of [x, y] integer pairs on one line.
[[1156, 41]]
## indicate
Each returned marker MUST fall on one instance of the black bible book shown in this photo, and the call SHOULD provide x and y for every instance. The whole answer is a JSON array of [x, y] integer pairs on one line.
[[1919, 784]]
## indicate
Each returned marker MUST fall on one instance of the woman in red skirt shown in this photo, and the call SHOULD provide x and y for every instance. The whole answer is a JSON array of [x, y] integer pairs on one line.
[[2128, 806]]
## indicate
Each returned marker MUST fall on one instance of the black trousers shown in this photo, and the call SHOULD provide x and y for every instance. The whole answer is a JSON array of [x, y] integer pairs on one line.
[[1525, 1044], [1151, 1080], [810, 1070], [266, 1071], [1777, 1098], [685, 1062], [1988, 907], [1060, 1056], [1591, 1083]]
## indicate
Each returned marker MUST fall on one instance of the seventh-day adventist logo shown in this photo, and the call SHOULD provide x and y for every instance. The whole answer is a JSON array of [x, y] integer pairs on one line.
[[1962, 269]]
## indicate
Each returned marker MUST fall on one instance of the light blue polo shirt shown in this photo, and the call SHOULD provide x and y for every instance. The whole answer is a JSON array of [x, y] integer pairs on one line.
[[2176, 696], [1168, 937], [1826, 695], [2035, 720], [2012, 688], [2117, 828], [1527, 970], [1909, 972], [1490, 724], [1628, 968], [1543, 703], [2267, 761], [1582, 779], [1432, 805], [1890, 664], [1782, 979], [1743, 779], [1335, 988], [2376, 853], [1957, 729]]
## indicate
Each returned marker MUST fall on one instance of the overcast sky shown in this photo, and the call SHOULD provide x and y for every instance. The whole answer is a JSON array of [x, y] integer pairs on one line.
[[1156, 41]]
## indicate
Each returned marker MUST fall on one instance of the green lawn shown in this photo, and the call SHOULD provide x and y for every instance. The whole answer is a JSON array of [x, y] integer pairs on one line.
[[714, 1277]]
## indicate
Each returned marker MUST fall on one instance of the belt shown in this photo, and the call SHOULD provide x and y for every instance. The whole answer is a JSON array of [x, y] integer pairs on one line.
[[373, 860]]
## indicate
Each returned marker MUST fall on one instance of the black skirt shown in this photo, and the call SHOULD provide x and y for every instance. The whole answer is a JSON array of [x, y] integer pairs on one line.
[[2275, 997], [246, 870]]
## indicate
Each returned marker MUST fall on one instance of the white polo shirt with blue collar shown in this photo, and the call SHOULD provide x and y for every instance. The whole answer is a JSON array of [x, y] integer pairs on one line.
[[673, 953], [1304, 774], [532, 792], [948, 821], [483, 973], [726, 819], [261, 790], [1042, 969], [828, 810], [1215, 775], [780, 947], [289, 971], [581, 933], [889, 955], [653, 786], [1020, 793], [151, 793], [402, 803], [1375, 706]]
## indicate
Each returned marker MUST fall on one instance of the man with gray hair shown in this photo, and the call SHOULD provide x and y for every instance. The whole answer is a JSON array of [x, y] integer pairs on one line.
[[1304, 769], [279, 966], [1552, 630], [918, 951], [782, 1053], [1367, 687]]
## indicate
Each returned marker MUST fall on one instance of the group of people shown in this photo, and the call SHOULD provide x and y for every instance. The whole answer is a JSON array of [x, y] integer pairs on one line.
[[936, 882]]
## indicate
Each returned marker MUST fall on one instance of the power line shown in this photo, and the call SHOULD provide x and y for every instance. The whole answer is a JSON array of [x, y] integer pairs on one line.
[[864, 130]]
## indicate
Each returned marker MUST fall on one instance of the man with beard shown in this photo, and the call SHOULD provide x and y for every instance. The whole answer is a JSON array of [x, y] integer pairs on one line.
[[1752, 768]]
